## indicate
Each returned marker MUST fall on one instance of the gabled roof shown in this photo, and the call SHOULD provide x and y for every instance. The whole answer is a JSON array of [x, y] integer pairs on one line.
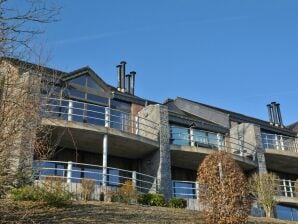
[[242, 118]]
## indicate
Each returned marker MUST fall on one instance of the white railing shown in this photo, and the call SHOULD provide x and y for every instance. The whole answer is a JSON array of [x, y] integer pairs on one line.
[[287, 188], [75, 172], [279, 142], [185, 189], [216, 141], [71, 110]]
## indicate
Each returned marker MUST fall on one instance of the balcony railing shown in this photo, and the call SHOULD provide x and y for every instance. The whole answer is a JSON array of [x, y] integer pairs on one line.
[[73, 173], [190, 189], [216, 141], [279, 142], [71, 110], [185, 189]]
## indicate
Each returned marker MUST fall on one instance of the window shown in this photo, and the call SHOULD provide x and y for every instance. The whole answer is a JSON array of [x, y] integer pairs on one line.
[[95, 115], [287, 212], [98, 99], [81, 80], [120, 105], [179, 135], [93, 173]]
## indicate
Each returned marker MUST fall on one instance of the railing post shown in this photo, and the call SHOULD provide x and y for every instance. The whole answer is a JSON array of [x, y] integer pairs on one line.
[[69, 172], [134, 180], [276, 142], [107, 117], [197, 189], [291, 188], [219, 142], [191, 135], [70, 110], [137, 125]]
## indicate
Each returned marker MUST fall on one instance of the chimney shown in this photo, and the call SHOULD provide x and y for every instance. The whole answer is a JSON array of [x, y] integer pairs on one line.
[[279, 114], [275, 117], [132, 82], [119, 87], [122, 63], [269, 107], [128, 77]]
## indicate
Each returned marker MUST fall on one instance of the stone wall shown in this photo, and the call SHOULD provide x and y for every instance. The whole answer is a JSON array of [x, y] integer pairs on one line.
[[158, 163]]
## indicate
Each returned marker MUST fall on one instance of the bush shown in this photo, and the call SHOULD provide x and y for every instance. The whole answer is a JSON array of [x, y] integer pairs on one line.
[[88, 186], [152, 199], [125, 194], [51, 192], [26, 193], [177, 203]]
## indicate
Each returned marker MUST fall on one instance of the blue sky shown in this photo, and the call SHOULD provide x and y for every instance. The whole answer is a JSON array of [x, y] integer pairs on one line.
[[238, 55]]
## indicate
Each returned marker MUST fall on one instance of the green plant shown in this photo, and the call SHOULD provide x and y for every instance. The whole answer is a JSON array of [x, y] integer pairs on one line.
[[52, 192], [87, 188], [26, 193], [152, 199], [177, 203]]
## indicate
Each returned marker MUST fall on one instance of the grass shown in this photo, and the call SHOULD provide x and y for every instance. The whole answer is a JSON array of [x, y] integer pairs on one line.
[[101, 212]]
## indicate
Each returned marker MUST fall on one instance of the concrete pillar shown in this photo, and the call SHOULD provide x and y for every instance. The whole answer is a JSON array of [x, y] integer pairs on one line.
[[159, 162], [105, 160], [69, 172], [250, 134]]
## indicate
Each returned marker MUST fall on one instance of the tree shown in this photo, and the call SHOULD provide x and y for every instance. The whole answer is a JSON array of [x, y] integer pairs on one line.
[[20, 85], [224, 194], [265, 187]]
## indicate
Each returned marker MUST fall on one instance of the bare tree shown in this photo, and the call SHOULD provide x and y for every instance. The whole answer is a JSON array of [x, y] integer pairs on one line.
[[223, 190], [264, 187], [20, 88]]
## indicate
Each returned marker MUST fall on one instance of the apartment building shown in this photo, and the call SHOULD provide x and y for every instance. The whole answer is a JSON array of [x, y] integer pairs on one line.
[[111, 135]]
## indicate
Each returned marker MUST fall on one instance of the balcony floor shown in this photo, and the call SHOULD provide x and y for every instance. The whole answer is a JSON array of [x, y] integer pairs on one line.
[[191, 157], [282, 161], [89, 138]]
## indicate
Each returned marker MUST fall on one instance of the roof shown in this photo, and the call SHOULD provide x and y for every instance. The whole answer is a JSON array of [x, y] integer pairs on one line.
[[241, 117]]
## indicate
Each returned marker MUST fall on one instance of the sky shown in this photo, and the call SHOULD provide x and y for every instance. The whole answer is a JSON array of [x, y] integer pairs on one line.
[[237, 55]]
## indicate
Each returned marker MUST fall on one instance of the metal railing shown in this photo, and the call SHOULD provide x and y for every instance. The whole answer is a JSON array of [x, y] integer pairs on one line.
[[74, 173], [279, 142], [216, 141], [287, 188], [185, 189], [71, 110]]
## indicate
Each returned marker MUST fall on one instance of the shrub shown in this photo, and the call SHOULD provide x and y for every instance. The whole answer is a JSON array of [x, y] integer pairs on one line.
[[177, 203], [26, 193], [224, 193], [51, 192], [125, 194], [152, 199], [87, 188]]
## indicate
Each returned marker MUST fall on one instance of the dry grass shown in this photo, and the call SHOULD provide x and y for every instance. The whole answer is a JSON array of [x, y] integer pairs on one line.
[[100, 212]]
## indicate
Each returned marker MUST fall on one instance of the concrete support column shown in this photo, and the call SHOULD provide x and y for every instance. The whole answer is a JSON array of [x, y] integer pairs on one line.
[[158, 163], [69, 172], [105, 160]]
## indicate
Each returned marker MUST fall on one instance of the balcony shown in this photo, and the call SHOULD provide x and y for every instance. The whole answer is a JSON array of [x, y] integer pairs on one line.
[[86, 113], [279, 142], [213, 141], [73, 173]]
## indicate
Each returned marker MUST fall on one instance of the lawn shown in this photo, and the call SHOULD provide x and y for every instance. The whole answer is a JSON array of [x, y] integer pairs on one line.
[[100, 212]]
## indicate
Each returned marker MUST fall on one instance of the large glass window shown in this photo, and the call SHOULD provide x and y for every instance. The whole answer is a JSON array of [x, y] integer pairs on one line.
[[287, 212], [93, 173], [95, 115], [81, 80], [179, 135], [113, 177]]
